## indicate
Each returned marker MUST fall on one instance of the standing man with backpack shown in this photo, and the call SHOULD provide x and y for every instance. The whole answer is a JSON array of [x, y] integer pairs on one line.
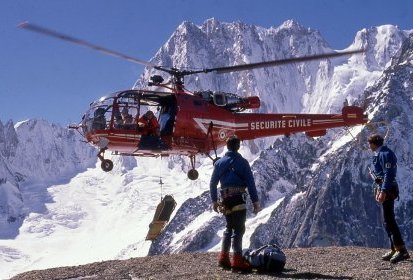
[[235, 175], [387, 190]]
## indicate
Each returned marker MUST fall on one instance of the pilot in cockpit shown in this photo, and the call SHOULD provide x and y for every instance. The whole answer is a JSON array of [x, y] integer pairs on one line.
[[99, 120]]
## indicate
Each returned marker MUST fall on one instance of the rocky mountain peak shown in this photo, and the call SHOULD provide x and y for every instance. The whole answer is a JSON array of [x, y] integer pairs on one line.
[[292, 25], [322, 186], [381, 44], [8, 139], [406, 53]]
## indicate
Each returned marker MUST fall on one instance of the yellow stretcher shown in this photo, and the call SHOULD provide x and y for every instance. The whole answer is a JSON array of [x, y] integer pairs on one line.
[[162, 214]]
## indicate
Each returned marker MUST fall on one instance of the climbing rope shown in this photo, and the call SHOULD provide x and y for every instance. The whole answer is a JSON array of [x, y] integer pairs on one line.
[[160, 177], [373, 127]]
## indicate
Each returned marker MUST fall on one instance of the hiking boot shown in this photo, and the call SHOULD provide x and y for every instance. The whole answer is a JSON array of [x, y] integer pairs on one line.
[[400, 256], [388, 255], [240, 264], [224, 261]]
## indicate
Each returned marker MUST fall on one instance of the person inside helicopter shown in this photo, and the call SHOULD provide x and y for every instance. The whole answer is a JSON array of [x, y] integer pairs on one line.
[[148, 124], [123, 119], [166, 121], [99, 120], [150, 139], [127, 119]]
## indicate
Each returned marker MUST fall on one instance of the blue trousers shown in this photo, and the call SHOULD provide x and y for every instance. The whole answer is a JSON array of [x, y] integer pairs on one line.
[[235, 229], [390, 224]]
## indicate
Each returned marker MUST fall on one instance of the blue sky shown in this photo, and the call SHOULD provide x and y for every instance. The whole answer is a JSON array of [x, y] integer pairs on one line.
[[45, 78]]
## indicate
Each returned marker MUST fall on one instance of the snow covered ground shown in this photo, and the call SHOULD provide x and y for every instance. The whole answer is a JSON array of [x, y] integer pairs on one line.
[[98, 216]]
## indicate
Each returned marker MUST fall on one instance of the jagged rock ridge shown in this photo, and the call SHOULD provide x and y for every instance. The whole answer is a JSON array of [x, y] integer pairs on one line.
[[326, 190]]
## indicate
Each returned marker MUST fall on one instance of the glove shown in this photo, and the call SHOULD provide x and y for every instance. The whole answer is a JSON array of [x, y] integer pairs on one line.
[[215, 206], [257, 207], [377, 194], [378, 181], [381, 197]]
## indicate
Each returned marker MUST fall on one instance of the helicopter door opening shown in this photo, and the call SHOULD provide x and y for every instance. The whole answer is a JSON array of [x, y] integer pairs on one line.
[[167, 120], [161, 137]]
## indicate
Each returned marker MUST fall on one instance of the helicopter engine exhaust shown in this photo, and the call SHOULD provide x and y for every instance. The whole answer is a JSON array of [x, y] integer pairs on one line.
[[251, 102]]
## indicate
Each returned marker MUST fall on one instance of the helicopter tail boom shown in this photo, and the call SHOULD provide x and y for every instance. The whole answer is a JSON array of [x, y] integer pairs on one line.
[[314, 125]]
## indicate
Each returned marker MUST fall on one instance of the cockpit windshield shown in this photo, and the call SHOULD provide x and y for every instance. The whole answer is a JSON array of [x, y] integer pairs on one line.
[[121, 111], [98, 116]]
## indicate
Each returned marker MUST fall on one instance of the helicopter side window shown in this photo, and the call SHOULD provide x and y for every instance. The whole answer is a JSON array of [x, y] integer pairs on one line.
[[125, 117]]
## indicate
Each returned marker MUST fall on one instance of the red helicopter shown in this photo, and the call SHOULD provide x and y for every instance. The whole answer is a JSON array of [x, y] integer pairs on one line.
[[191, 123]]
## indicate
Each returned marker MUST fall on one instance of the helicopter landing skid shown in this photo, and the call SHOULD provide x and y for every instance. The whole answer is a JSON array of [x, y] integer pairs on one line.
[[107, 164]]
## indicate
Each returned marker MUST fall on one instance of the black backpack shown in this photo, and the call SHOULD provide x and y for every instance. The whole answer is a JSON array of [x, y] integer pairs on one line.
[[268, 258]]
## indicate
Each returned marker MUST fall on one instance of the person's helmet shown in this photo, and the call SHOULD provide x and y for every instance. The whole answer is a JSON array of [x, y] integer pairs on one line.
[[99, 112], [125, 111], [149, 113], [376, 139], [233, 143]]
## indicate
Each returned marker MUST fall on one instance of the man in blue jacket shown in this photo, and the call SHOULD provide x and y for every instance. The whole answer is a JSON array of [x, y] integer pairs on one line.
[[385, 169], [235, 175]]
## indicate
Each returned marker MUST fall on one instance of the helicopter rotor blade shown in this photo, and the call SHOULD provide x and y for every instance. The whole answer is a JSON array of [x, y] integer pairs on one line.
[[39, 29], [249, 66]]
